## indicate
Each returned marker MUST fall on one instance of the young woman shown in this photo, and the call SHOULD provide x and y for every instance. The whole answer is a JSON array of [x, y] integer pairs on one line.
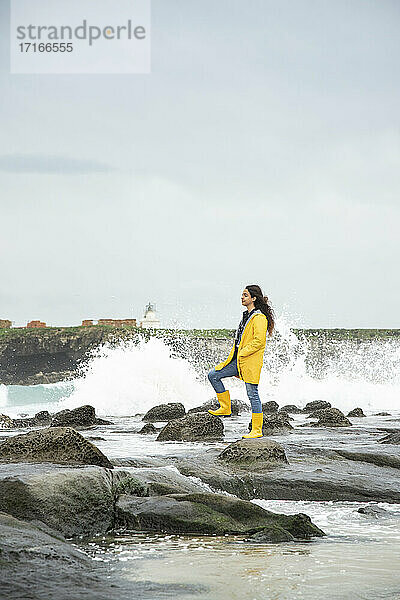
[[246, 357]]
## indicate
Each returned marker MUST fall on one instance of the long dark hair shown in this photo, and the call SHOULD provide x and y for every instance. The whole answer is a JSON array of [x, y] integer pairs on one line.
[[261, 302]]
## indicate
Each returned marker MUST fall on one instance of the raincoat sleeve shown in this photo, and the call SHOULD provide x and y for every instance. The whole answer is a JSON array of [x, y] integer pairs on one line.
[[260, 333]]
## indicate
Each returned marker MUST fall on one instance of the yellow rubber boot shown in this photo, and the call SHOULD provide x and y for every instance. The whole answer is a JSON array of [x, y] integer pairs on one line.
[[256, 426], [224, 409]]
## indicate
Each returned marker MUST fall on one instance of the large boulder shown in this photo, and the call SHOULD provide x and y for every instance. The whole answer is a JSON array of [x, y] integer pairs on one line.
[[237, 407], [206, 513], [83, 416], [61, 445], [316, 405], [270, 407], [254, 454], [73, 501], [196, 427], [165, 412], [331, 417], [356, 412], [275, 424]]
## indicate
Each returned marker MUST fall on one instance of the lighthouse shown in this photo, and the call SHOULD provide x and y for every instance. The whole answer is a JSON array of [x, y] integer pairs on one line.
[[150, 320]]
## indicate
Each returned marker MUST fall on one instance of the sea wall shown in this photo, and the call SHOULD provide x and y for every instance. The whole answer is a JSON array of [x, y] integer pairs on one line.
[[48, 355]]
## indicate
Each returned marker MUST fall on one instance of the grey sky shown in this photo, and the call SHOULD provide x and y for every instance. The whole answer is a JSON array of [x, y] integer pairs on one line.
[[264, 148]]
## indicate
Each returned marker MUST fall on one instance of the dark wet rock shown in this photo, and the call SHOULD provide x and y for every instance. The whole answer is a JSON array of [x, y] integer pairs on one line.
[[159, 482], [43, 416], [316, 405], [102, 422], [83, 416], [271, 535], [356, 412], [254, 453], [131, 486], [287, 415], [237, 407], [270, 407], [382, 414], [316, 413], [275, 424], [148, 428], [6, 422], [291, 409], [381, 460], [205, 513], [61, 445], [373, 511], [331, 417], [301, 528], [313, 474], [165, 412], [193, 428], [36, 563], [73, 501], [391, 438]]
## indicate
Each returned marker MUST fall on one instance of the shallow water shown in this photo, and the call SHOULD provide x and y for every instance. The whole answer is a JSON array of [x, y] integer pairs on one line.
[[358, 559]]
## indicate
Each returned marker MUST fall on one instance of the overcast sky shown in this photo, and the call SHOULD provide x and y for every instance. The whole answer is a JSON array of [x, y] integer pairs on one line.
[[264, 147]]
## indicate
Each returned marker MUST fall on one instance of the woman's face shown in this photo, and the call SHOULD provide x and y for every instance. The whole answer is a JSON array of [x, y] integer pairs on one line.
[[246, 298]]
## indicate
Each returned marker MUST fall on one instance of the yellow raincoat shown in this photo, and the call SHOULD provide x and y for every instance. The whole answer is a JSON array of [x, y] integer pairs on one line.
[[251, 349]]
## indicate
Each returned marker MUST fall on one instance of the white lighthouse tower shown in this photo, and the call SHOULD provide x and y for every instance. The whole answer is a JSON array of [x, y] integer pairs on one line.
[[150, 320]]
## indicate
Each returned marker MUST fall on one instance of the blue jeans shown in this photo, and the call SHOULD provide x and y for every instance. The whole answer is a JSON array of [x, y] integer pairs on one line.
[[230, 371]]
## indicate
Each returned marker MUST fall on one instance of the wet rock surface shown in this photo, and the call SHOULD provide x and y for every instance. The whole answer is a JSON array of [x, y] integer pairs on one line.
[[165, 412], [206, 513], [275, 424], [72, 501], [84, 416], [329, 417], [270, 407], [291, 409], [61, 445], [316, 405], [316, 471], [254, 453], [375, 458], [148, 428], [237, 407], [6, 422], [193, 428], [356, 412]]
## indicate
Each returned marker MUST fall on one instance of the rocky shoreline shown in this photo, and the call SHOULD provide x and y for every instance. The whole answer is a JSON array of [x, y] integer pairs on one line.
[[56, 484]]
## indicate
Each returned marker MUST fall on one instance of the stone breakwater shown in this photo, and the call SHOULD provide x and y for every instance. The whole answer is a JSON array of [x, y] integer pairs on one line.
[[29, 357]]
